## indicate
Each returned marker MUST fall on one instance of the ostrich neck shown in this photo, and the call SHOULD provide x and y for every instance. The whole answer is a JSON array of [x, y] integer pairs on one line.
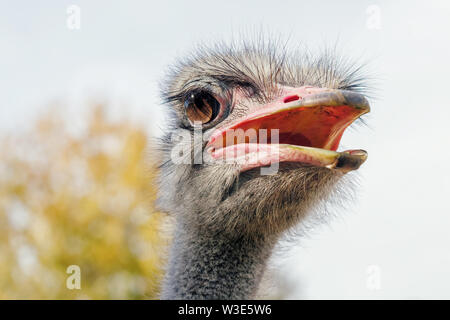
[[211, 266]]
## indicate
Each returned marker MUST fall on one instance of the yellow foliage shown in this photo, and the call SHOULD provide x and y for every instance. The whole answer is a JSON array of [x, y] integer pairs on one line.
[[82, 199]]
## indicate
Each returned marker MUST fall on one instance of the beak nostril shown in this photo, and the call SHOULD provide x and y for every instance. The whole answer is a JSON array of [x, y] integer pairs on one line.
[[291, 98]]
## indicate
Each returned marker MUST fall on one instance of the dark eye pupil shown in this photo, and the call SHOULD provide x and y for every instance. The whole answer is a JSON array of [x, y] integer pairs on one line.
[[201, 107]]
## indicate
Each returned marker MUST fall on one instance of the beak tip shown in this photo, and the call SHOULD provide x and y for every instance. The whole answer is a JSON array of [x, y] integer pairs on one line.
[[351, 160], [355, 99]]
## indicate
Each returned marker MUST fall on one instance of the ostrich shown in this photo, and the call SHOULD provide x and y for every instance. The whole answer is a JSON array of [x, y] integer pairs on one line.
[[285, 111]]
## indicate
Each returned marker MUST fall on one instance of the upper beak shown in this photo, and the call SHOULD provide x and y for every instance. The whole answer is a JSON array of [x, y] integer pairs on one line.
[[334, 97]]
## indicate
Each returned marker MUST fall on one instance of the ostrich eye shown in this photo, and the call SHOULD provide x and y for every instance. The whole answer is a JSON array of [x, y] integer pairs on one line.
[[201, 107]]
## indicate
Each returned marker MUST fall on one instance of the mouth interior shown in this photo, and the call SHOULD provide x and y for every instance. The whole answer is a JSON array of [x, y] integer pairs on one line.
[[304, 130], [316, 127]]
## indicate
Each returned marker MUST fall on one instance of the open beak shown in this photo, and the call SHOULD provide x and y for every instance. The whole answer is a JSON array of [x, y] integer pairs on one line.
[[304, 126]]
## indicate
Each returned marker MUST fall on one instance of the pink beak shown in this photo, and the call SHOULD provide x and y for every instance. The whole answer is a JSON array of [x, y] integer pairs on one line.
[[310, 122]]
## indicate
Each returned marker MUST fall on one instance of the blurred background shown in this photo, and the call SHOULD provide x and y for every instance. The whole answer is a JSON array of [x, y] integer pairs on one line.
[[79, 111]]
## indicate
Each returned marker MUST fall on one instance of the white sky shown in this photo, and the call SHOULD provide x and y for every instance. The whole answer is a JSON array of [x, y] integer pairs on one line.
[[401, 222]]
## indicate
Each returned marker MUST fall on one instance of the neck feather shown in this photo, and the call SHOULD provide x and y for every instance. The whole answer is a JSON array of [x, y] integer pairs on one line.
[[211, 266]]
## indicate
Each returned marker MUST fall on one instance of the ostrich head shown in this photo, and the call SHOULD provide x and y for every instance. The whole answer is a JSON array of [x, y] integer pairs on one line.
[[253, 140]]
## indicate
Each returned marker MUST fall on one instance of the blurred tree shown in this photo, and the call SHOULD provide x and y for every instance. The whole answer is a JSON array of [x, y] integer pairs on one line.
[[83, 199]]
